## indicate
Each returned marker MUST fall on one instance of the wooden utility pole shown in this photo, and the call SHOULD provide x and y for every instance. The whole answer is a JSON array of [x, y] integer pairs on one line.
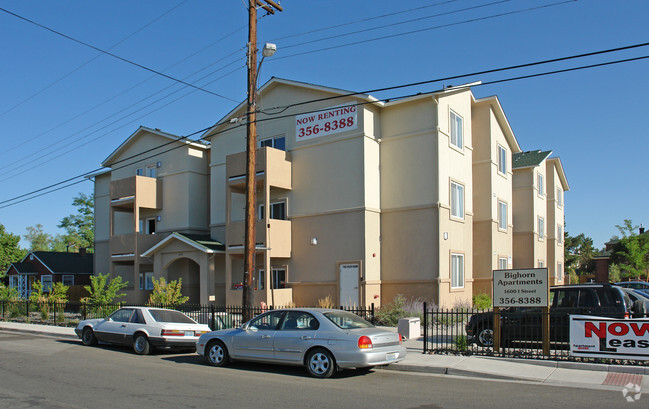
[[251, 150]]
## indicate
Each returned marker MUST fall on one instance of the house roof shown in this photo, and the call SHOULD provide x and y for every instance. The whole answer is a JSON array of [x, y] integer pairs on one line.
[[529, 159], [562, 175], [274, 82], [142, 129], [200, 242], [498, 111], [56, 262]]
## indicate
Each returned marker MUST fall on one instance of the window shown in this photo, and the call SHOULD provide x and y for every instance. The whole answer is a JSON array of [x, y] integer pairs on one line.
[[68, 280], [541, 264], [261, 280], [502, 160], [457, 270], [150, 171], [278, 278], [502, 215], [541, 228], [46, 281], [559, 197], [300, 320], [457, 200], [559, 234], [559, 272], [268, 321], [277, 211], [139, 171], [502, 263], [456, 130], [122, 315], [147, 226], [148, 281], [141, 281], [278, 142], [13, 282], [539, 182]]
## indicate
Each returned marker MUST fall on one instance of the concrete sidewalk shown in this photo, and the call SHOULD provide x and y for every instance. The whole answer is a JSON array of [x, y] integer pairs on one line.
[[556, 373]]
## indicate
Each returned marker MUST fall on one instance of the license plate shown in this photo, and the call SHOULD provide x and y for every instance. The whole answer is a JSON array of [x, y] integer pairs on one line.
[[189, 333], [391, 357]]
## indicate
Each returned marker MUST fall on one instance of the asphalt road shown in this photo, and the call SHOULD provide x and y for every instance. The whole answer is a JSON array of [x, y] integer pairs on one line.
[[45, 372]]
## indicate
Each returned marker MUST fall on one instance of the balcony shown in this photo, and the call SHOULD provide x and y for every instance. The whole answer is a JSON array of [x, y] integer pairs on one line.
[[279, 237], [128, 247], [136, 191], [272, 164]]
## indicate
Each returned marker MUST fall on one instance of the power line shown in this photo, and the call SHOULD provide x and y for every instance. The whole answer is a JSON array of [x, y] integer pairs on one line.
[[91, 60], [395, 24], [313, 111], [473, 20], [114, 55]]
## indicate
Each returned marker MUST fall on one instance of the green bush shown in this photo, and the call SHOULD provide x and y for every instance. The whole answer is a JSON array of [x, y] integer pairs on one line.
[[388, 315], [482, 301], [461, 343]]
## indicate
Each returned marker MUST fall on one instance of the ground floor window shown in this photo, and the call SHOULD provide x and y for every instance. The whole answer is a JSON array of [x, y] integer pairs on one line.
[[502, 263], [68, 280], [457, 270], [46, 282], [278, 278], [148, 281]]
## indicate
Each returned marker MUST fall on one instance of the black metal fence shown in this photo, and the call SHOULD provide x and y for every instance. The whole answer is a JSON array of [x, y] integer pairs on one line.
[[70, 313], [472, 332]]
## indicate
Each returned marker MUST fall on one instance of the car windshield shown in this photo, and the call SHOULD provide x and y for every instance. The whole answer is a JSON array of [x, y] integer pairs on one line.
[[347, 320], [171, 316]]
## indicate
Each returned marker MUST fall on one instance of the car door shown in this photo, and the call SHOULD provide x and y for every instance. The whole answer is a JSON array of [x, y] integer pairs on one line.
[[255, 342], [296, 334], [114, 328]]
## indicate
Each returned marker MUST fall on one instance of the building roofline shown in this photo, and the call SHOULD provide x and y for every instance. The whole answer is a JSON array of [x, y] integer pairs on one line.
[[108, 161], [498, 110], [180, 237], [562, 175]]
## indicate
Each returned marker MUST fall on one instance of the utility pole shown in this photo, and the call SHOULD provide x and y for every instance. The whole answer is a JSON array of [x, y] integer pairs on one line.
[[251, 151]]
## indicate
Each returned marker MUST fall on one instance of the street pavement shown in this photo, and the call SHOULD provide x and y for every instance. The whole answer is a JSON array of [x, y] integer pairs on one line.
[[555, 373]]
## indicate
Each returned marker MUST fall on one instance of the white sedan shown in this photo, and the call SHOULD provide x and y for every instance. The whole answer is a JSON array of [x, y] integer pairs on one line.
[[144, 328], [323, 340]]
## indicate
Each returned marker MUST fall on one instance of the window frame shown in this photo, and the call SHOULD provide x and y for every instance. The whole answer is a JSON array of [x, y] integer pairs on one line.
[[274, 270], [148, 279], [500, 263], [540, 182], [559, 197], [457, 277], [68, 276], [502, 160], [559, 234], [272, 204], [455, 131], [451, 202], [502, 222], [274, 142], [47, 289], [540, 225], [559, 271]]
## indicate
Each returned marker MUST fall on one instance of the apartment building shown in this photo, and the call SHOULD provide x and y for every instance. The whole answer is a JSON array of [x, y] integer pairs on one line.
[[494, 145], [150, 201], [538, 187], [357, 199]]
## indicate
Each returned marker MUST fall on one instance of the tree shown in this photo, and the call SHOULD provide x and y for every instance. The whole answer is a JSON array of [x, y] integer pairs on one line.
[[167, 293], [10, 251], [578, 254], [80, 227], [38, 239], [103, 291], [631, 253]]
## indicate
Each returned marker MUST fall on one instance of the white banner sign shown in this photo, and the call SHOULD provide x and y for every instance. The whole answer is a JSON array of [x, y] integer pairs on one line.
[[331, 121], [520, 288], [600, 337]]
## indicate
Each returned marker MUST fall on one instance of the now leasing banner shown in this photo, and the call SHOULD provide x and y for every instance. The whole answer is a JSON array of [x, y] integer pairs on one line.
[[600, 337]]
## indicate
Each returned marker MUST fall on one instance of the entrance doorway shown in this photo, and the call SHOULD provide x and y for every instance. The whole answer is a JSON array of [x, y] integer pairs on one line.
[[349, 283]]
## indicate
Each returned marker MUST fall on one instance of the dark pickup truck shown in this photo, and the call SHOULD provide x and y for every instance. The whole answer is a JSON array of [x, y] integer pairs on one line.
[[526, 323]]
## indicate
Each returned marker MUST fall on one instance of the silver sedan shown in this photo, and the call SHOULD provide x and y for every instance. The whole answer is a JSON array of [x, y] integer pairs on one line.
[[144, 328], [323, 340]]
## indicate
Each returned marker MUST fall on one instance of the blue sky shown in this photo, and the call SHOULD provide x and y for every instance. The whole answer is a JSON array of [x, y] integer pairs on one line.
[[65, 107]]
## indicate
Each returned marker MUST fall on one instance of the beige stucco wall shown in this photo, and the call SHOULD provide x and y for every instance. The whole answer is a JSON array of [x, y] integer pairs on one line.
[[555, 214]]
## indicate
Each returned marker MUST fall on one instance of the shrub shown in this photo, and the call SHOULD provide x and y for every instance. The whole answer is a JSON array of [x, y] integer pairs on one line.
[[167, 293], [326, 302], [481, 301], [102, 291], [389, 314], [461, 344]]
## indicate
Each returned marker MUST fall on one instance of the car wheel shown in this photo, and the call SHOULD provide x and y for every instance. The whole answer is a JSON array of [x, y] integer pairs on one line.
[[88, 337], [485, 337], [217, 354], [141, 345], [320, 363]]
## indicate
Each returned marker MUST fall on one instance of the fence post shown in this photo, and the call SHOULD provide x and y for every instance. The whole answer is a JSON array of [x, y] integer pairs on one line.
[[372, 313], [213, 318], [85, 311], [425, 328], [54, 311]]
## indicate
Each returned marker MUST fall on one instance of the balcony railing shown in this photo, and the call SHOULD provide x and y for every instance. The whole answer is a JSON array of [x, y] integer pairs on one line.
[[279, 240], [138, 191], [272, 164]]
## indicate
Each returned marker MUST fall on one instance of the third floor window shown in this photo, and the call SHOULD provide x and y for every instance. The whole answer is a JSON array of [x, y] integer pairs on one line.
[[457, 136]]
